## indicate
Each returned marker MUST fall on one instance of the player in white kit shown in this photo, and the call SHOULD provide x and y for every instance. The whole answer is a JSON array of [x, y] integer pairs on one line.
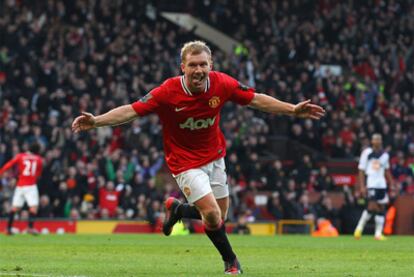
[[373, 171]]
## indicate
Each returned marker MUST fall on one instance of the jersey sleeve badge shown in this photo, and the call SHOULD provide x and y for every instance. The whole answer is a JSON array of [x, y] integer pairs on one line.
[[145, 99], [243, 87]]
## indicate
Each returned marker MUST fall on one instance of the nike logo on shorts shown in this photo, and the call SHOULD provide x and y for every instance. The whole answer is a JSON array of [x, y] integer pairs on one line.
[[180, 109]]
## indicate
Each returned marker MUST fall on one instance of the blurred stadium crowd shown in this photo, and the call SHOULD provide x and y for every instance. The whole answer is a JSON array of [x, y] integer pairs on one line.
[[58, 58]]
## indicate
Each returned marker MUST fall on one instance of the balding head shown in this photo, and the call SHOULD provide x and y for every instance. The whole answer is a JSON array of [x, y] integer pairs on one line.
[[376, 141]]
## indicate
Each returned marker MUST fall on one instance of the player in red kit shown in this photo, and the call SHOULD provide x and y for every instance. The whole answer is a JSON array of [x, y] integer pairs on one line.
[[189, 110], [29, 165]]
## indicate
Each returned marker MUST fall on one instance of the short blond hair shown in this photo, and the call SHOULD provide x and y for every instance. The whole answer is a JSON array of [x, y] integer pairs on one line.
[[194, 48]]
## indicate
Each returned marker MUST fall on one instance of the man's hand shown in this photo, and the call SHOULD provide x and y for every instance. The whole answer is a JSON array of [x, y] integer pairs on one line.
[[363, 191], [307, 110], [84, 122]]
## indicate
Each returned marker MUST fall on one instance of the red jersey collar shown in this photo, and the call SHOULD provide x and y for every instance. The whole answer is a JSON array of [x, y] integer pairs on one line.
[[188, 91]]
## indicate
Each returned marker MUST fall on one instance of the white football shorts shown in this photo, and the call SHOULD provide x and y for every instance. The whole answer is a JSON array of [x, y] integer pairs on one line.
[[30, 194], [198, 182]]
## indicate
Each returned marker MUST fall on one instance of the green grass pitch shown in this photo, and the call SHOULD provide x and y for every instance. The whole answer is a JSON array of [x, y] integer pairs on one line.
[[155, 255]]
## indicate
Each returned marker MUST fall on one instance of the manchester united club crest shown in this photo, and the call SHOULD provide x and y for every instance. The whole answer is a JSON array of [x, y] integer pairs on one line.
[[214, 102], [187, 191]]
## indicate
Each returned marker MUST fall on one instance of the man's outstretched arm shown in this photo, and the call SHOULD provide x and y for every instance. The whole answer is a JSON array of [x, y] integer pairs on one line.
[[303, 109], [8, 165], [117, 116]]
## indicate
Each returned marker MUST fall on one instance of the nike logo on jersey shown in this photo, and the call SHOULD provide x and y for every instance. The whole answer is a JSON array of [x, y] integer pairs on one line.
[[180, 109]]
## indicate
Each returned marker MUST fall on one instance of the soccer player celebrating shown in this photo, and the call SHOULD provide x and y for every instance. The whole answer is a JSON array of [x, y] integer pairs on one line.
[[374, 163], [29, 166], [189, 110]]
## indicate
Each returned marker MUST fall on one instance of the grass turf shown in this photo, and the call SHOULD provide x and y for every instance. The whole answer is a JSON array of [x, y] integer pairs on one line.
[[155, 255]]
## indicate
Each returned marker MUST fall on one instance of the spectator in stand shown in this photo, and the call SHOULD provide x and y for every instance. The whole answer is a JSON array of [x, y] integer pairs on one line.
[[154, 212], [109, 199], [324, 181], [407, 186], [328, 211], [45, 209], [399, 167], [241, 227], [306, 210], [276, 176], [128, 202], [274, 206], [304, 169]]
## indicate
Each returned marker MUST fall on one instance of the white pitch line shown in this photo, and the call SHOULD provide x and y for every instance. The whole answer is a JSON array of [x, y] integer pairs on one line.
[[36, 274], [24, 274]]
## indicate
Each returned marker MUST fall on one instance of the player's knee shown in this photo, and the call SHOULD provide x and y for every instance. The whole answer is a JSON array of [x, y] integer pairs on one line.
[[212, 218]]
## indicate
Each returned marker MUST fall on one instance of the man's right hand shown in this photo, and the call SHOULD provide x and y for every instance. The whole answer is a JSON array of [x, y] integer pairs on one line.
[[84, 122]]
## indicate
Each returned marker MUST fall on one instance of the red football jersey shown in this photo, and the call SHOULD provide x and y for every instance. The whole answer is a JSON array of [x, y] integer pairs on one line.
[[29, 167], [191, 130], [108, 200]]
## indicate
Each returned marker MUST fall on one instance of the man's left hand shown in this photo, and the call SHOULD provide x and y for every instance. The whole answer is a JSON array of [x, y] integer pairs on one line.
[[307, 110]]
